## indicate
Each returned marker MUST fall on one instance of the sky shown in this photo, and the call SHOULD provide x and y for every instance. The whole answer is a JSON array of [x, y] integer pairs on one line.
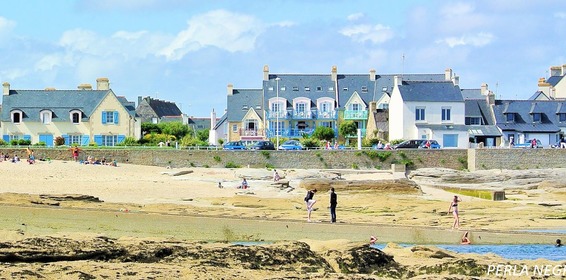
[[188, 51]]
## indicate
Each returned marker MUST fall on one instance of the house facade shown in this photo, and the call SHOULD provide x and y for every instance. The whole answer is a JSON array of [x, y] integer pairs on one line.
[[428, 110], [555, 86], [480, 119], [81, 116]]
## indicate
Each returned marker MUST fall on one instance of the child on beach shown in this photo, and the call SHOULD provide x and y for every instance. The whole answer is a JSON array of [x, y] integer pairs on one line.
[[454, 209]]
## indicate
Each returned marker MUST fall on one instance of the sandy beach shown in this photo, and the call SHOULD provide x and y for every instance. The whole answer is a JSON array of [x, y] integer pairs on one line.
[[59, 198]]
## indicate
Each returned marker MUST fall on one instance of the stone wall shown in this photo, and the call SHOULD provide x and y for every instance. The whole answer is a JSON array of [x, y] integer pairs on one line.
[[456, 159], [516, 158]]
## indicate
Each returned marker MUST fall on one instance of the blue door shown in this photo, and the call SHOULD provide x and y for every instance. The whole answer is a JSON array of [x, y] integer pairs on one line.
[[450, 140], [47, 139]]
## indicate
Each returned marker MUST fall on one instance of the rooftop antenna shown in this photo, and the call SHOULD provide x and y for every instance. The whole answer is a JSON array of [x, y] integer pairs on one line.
[[402, 65]]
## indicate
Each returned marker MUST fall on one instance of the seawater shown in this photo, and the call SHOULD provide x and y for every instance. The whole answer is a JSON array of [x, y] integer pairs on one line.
[[514, 252]]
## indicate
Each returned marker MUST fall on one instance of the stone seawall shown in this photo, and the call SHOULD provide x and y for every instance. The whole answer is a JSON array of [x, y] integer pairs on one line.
[[344, 159], [472, 159]]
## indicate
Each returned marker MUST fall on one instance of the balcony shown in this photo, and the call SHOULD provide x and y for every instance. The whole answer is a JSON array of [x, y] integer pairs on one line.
[[356, 115], [251, 132], [277, 114], [289, 133], [326, 115], [302, 115]]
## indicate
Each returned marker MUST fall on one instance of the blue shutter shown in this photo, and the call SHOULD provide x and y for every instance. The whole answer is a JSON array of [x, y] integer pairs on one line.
[[121, 138], [47, 139], [84, 140], [115, 117], [98, 139], [66, 137], [6, 138], [27, 137], [103, 117]]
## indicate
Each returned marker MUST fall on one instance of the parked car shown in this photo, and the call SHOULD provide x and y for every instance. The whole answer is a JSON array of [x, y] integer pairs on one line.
[[234, 145], [527, 144], [263, 145], [291, 145], [433, 144], [409, 144]]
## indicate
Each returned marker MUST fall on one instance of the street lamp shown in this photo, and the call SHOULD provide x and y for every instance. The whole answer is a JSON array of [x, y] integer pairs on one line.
[[277, 113]]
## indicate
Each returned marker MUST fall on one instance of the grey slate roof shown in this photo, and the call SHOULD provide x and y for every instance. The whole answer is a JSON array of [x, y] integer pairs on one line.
[[539, 94], [554, 80], [60, 102], [200, 123], [478, 108], [430, 91], [523, 109], [241, 101], [163, 108], [221, 121], [483, 130], [129, 105], [472, 94]]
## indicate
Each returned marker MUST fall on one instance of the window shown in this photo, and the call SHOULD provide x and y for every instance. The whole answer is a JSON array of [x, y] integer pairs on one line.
[[17, 116], [15, 137], [364, 89], [318, 88], [325, 107], [473, 121], [326, 124], [307, 89], [276, 107], [356, 107], [537, 117], [45, 117], [446, 114], [510, 117], [295, 88], [270, 88], [283, 88], [330, 88], [154, 120], [109, 117], [234, 127], [109, 140], [420, 114], [244, 108], [277, 127], [75, 117], [345, 89], [301, 107], [74, 139], [562, 117]]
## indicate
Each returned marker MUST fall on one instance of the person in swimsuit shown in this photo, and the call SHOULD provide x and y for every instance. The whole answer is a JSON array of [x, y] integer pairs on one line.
[[454, 209], [465, 240]]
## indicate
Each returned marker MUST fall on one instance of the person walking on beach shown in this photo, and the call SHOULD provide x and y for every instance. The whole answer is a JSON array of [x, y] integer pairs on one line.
[[454, 209], [333, 203], [309, 199]]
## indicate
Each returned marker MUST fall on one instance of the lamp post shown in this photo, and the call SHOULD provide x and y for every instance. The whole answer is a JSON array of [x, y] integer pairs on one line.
[[277, 113]]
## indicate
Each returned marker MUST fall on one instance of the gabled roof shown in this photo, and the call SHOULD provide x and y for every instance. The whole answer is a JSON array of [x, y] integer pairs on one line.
[[472, 94], [60, 102], [241, 101], [478, 108], [163, 108], [539, 95], [221, 121], [429, 91], [129, 105]]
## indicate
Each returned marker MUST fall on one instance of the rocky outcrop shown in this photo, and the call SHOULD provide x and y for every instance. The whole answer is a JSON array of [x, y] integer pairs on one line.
[[396, 185]]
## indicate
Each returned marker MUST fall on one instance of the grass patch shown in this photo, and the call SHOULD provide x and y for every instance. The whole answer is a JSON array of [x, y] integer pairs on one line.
[[269, 166], [232, 165], [265, 154], [474, 193], [217, 158]]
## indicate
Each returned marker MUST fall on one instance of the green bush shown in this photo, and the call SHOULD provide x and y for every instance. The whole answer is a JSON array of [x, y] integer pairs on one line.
[[129, 141], [2, 142], [310, 143], [232, 165], [217, 158], [40, 144], [265, 154], [91, 144], [383, 156]]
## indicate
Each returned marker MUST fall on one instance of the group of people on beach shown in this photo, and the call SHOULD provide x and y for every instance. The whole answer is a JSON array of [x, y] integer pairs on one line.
[[75, 151], [310, 201]]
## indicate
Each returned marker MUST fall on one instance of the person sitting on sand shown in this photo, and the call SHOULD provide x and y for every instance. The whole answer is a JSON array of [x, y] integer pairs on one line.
[[372, 240], [244, 184], [276, 176], [558, 243], [465, 240]]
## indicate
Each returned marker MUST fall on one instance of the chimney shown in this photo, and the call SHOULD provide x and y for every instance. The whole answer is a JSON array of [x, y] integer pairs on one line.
[[266, 72], [397, 81], [563, 70], [230, 89], [456, 80], [555, 71], [102, 84], [6, 88], [85, 87], [50, 89], [372, 74], [490, 98], [483, 90], [372, 106], [212, 119], [334, 73], [448, 74]]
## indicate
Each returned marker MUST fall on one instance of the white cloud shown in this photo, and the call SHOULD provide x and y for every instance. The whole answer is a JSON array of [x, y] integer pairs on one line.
[[365, 32], [477, 40], [560, 15], [355, 16], [222, 29], [6, 25], [456, 10], [286, 24]]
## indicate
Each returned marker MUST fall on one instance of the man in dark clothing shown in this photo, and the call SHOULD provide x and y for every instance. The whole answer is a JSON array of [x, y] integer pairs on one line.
[[333, 203]]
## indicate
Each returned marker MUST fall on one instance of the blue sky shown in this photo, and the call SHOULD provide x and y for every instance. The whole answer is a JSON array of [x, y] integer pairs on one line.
[[188, 51]]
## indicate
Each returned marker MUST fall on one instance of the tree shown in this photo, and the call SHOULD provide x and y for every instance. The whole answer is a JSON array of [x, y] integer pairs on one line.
[[178, 129], [323, 133], [148, 127], [347, 128], [202, 135]]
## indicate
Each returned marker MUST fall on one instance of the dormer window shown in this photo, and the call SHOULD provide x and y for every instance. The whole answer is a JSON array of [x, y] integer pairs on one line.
[[537, 117], [364, 89], [307, 89], [295, 88], [562, 117], [510, 117], [76, 116], [17, 116], [45, 116], [319, 88]]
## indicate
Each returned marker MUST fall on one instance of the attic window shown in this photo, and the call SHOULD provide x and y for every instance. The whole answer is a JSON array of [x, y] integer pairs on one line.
[[245, 107], [270, 88], [295, 88], [17, 116], [364, 89], [384, 89], [510, 117], [307, 89], [257, 107], [562, 117], [318, 88], [345, 89], [330, 88], [537, 117], [283, 88]]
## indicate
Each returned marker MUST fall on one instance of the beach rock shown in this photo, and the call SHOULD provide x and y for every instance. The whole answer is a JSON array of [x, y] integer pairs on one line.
[[70, 197], [368, 260], [397, 185]]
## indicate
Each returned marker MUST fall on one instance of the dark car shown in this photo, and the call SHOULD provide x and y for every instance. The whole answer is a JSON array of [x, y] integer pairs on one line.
[[433, 144], [234, 145], [263, 145], [409, 144]]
